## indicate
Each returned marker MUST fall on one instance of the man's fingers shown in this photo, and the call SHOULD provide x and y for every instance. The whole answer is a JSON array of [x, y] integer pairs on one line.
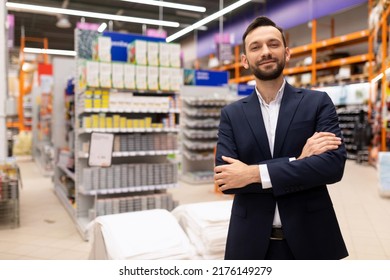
[[330, 141], [228, 159], [318, 135]]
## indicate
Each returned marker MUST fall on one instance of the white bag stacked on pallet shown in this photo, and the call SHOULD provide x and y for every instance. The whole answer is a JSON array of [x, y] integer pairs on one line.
[[206, 225], [384, 173], [142, 235]]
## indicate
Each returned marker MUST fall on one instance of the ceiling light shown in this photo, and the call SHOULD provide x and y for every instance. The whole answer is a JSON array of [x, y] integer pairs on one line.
[[50, 10], [28, 67], [169, 5], [202, 28], [102, 27], [63, 22], [206, 20], [49, 51]]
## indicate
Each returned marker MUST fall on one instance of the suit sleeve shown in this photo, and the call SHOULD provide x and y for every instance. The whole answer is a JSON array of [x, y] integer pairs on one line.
[[318, 170], [226, 146]]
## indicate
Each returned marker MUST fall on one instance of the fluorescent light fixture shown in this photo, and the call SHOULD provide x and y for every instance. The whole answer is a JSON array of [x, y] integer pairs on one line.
[[169, 5], [102, 27], [206, 20], [49, 51], [50, 10], [203, 27]]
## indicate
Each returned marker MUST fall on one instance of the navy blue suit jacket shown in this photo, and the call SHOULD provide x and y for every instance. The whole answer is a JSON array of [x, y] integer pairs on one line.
[[299, 187]]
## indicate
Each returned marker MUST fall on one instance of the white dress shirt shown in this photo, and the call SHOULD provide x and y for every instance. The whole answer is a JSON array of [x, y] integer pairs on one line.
[[270, 114]]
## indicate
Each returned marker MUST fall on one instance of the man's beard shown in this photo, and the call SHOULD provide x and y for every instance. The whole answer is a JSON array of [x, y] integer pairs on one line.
[[266, 75]]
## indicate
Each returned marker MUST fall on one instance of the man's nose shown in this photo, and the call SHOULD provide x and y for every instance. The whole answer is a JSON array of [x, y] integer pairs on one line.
[[265, 50]]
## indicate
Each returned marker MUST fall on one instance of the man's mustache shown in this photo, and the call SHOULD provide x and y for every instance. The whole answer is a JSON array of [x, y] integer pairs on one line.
[[267, 59]]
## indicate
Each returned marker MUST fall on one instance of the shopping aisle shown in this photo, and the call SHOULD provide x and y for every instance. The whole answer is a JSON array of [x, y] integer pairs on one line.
[[363, 214], [47, 231]]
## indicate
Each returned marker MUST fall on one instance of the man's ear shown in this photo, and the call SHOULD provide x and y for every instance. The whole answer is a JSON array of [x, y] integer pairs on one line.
[[244, 61], [288, 54]]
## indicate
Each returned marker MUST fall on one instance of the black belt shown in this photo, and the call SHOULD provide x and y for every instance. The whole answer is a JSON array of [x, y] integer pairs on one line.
[[277, 234]]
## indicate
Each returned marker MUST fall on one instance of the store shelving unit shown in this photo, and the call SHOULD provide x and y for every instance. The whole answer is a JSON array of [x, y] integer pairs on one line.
[[64, 182], [239, 75], [144, 125], [351, 106], [24, 102], [43, 150], [64, 172], [201, 108], [9, 196], [379, 106], [348, 118]]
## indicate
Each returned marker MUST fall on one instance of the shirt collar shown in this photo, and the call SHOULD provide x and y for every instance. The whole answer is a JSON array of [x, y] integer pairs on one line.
[[278, 97]]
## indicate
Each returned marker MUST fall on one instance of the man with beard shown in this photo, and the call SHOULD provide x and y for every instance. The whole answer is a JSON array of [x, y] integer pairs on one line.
[[277, 150]]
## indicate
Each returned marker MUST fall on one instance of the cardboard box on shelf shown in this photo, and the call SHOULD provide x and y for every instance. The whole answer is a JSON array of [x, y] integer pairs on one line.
[[118, 75], [152, 53], [129, 76], [141, 77], [137, 51]]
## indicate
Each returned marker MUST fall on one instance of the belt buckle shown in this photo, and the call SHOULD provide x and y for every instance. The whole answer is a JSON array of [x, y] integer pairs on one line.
[[276, 238], [277, 234]]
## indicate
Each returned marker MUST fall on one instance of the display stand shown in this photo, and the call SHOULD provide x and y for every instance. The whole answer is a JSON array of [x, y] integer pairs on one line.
[[9, 196], [42, 116], [379, 102], [201, 108], [351, 106], [142, 120], [62, 127]]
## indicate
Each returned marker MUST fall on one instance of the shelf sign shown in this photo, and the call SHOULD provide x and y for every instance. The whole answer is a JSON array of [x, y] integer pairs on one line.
[[100, 150], [205, 77], [245, 89]]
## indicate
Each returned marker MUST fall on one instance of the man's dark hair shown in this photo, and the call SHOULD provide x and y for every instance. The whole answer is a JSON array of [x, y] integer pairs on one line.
[[261, 21]]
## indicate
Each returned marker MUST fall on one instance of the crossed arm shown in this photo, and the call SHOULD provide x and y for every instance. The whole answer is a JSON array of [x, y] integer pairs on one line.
[[236, 174]]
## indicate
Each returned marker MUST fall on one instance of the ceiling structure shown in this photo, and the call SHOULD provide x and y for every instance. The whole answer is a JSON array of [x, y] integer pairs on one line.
[[44, 26]]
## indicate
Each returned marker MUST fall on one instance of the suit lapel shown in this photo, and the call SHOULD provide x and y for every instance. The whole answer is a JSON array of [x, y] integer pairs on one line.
[[290, 101], [252, 111]]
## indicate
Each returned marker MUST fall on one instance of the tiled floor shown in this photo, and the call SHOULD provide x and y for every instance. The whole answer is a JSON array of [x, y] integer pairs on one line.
[[47, 231]]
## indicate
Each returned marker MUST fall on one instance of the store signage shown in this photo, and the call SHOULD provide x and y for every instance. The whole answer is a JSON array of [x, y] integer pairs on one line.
[[205, 77], [100, 149], [11, 30], [224, 48], [156, 33], [87, 26], [245, 89]]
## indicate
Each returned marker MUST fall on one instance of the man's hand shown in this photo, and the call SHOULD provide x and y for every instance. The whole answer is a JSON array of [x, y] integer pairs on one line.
[[235, 174], [319, 143]]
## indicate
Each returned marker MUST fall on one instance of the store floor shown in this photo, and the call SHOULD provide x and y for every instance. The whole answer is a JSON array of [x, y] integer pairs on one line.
[[47, 232]]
